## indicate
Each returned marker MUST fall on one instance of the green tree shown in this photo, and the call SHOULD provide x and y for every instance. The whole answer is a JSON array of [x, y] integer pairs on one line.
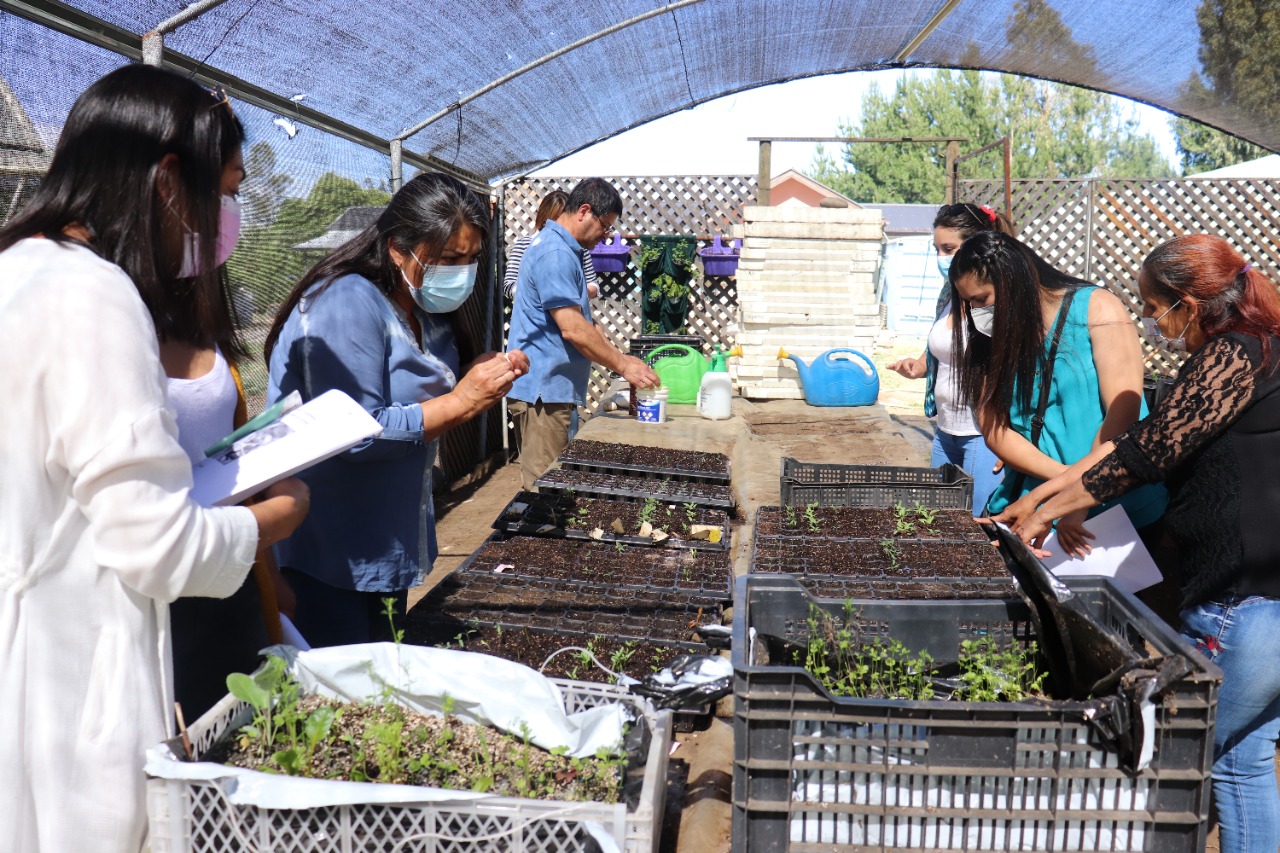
[[265, 262], [1057, 131], [1239, 75]]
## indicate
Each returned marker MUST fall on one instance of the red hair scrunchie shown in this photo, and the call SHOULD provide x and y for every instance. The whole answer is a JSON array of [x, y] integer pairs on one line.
[[991, 214]]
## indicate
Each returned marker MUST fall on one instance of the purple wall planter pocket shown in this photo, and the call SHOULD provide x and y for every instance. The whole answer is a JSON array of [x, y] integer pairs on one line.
[[611, 256], [721, 260]]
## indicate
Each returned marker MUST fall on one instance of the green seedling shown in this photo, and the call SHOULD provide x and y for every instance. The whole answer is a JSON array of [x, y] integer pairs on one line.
[[891, 551], [690, 514], [648, 511], [925, 515], [620, 546], [902, 524], [790, 512], [811, 517]]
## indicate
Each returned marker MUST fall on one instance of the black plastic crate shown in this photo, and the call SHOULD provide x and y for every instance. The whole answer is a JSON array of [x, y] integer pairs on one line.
[[603, 568], [666, 617], [628, 488], [578, 457], [817, 772], [945, 487], [533, 514]]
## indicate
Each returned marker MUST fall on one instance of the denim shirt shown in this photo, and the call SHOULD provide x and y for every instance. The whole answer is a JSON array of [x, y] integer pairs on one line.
[[551, 277], [372, 522]]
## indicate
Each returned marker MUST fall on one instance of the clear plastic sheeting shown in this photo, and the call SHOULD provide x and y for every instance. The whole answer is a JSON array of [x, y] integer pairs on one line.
[[385, 65]]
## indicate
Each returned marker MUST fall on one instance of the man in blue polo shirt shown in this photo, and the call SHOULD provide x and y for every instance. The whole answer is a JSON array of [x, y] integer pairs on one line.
[[551, 323]]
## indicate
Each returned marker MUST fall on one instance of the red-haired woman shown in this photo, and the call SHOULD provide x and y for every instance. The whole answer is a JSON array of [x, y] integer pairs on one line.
[[1215, 441]]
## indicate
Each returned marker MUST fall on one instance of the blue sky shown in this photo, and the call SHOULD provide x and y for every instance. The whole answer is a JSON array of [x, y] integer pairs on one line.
[[711, 139]]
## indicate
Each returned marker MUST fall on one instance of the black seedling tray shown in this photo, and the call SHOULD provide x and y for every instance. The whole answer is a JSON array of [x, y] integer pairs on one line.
[[846, 587], [582, 455], [708, 575], [779, 555], [664, 617], [534, 514], [774, 518], [623, 487]]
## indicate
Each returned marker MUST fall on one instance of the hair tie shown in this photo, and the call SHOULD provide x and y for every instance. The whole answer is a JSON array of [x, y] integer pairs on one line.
[[991, 214], [1246, 268]]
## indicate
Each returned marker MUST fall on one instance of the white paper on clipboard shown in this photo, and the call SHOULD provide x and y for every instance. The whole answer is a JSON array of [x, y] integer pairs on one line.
[[1117, 553], [311, 433]]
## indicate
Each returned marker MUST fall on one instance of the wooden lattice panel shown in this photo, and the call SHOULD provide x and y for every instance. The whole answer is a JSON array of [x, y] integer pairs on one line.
[[650, 206]]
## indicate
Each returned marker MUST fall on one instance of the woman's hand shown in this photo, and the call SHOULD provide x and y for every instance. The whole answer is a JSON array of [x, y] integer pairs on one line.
[[1072, 536], [488, 379], [281, 510], [911, 368]]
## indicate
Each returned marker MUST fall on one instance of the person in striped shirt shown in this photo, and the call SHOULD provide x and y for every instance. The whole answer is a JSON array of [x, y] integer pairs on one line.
[[550, 207]]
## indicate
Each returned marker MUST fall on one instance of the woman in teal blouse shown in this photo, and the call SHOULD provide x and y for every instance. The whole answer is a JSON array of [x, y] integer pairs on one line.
[[1012, 304]]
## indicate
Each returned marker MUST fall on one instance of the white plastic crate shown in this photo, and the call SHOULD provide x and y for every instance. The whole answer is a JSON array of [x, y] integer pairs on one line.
[[187, 816]]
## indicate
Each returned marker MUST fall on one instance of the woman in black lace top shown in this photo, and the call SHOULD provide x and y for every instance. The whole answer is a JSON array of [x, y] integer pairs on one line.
[[1215, 442]]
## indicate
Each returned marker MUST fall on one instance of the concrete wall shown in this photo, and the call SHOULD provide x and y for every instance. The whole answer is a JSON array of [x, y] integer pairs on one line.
[[806, 282]]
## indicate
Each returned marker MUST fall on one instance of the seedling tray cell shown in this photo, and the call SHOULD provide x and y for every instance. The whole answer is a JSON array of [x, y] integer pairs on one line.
[[569, 517], [694, 466], [813, 771], [708, 574], [660, 618], [803, 483], [844, 523], [623, 487]]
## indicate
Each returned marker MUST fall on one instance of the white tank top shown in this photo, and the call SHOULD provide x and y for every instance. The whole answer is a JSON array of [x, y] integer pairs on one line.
[[205, 407], [954, 417]]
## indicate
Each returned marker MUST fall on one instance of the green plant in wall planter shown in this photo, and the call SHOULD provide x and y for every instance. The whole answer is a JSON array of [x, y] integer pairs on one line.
[[666, 269]]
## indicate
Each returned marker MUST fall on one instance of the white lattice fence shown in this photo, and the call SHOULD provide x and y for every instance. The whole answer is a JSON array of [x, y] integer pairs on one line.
[[702, 206], [1101, 230]]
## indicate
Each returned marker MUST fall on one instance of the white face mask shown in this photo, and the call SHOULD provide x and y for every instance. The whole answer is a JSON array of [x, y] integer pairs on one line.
[[983, 318], [1151, 328]]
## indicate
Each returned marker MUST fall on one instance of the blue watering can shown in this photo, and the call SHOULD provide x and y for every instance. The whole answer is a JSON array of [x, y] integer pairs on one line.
[[834, 379]]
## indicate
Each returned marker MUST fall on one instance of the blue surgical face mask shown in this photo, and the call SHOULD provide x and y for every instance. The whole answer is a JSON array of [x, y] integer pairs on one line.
[[444, 288], [944, 265]]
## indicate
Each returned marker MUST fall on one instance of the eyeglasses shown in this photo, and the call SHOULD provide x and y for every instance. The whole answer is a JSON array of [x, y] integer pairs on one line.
[[608, 229], [220, 97]]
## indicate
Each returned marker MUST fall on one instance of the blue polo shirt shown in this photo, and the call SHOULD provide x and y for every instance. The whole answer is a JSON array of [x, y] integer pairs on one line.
[[550, 277]]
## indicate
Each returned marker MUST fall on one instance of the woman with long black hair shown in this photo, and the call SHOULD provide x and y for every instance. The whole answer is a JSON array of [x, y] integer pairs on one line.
[[114, 253], [376, 319], [957, 438], [1215, 440], [1052, 366]]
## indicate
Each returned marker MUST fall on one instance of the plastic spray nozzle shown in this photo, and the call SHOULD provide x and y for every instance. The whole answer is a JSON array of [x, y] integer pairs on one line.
[[782, 353]]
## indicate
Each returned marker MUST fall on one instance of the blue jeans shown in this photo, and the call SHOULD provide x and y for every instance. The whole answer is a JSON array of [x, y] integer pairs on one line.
[[971, 453], [1239, 635]]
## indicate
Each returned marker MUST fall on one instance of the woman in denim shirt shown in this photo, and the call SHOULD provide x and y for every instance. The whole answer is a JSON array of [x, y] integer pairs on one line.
[[375, 320]]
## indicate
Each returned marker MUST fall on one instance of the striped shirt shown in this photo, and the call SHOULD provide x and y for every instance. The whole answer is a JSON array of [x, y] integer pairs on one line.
[[513, 267]]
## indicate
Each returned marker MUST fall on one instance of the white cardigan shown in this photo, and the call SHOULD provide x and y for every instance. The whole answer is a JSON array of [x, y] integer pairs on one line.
[[97, 535]]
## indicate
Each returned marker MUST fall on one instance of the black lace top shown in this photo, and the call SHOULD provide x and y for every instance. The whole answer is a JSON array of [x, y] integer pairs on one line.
[[1215, 441]]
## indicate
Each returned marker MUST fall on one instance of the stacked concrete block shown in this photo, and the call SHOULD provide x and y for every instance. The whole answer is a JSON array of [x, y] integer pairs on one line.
[[806, 282]]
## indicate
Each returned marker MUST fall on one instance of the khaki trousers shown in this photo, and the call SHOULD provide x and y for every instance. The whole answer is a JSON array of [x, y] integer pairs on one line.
[[542, 431]]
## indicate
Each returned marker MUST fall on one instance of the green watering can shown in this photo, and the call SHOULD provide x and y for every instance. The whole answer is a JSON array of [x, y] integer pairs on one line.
[[681, 371]]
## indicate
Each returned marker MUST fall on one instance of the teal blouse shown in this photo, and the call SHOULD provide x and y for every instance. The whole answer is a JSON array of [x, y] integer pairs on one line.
[[1072, 418]]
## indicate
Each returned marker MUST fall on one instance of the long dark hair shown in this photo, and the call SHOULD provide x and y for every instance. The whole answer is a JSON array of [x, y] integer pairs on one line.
[[969, 219], [426, 212], [1232, 295], [988, 372], [103, 177]]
